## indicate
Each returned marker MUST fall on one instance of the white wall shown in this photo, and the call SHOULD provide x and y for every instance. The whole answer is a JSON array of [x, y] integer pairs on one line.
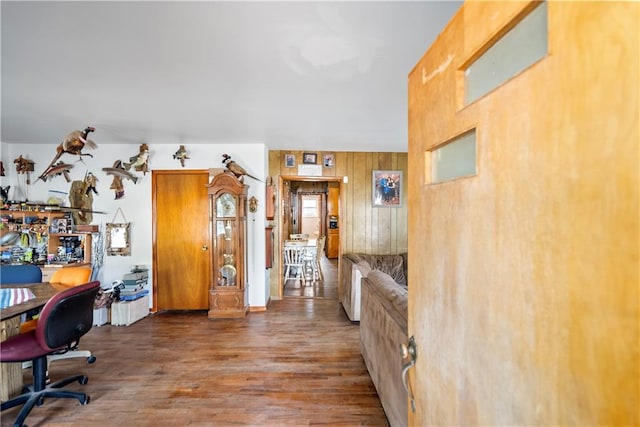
[[136, 204]]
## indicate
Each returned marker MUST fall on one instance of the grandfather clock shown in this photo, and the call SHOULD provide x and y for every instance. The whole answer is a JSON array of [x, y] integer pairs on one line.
[[228, 211]]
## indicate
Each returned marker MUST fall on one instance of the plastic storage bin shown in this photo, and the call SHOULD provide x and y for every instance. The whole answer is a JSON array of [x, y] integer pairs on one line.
[[124, 313]]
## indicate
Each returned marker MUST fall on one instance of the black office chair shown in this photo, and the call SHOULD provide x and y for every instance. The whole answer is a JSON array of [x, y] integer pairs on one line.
[[65, 318]]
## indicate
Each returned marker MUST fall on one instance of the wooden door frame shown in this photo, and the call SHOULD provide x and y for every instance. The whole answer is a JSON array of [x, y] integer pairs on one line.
[[281, 212]]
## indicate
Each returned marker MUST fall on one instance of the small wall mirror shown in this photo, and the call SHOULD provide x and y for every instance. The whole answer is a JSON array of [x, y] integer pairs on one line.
[[118, 239]]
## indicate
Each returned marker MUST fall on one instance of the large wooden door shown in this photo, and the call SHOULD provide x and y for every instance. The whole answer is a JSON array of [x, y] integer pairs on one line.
[[181, 257], [523, 279]]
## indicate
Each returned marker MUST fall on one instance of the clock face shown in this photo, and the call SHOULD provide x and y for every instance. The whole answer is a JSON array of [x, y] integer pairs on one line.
[[226, 205]]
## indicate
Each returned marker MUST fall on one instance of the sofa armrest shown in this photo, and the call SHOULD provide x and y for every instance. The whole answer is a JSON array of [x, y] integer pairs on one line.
[[344, 283], [351, 272], [392, 296], [383, 328], [356, 278]]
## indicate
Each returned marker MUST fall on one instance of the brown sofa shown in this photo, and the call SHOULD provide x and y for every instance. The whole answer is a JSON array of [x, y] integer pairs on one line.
[[383, 329], [356, 266]]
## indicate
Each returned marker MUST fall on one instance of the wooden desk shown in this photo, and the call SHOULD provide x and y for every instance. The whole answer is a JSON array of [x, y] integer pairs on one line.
[[42, 291], [11, 373]]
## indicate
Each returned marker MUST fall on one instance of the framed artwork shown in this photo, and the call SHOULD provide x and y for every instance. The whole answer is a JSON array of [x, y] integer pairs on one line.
[[387, 189], [310, 158], [118, 239], [61, 226], [289, 160], [329, 160]]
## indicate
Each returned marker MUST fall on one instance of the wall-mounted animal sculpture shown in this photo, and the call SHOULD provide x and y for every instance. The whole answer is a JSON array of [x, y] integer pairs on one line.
[[235, 168], [73, 144], [181, 155], [140, 161], [24, 166], [60, 168], [119, 172]]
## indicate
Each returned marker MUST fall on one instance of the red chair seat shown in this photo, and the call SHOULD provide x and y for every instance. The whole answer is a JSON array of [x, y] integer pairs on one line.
[[22, 347]]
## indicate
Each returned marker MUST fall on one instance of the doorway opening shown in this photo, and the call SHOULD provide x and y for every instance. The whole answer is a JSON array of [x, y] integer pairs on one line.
[[310, 207]]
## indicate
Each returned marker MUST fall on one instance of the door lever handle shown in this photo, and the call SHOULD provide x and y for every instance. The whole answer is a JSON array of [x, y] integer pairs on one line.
[[409, 351]]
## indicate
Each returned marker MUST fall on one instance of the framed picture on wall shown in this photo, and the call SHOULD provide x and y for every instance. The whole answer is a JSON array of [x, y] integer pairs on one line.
[[60, 226], [310, 158], [290, 160], [118, 239], [329, 160], [387, 189]]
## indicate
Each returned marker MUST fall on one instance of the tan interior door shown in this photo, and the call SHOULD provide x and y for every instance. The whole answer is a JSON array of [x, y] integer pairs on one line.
[[181, 240], [519, 277]]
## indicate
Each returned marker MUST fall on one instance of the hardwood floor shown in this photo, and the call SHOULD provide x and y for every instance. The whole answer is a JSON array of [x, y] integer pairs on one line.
[[298, 363]]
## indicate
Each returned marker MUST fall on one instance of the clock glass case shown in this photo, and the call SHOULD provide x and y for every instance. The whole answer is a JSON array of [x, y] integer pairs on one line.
[[228, 198]]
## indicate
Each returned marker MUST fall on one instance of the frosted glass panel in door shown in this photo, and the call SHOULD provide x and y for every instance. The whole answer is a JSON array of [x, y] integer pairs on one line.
[[455, 159], [523, 45]]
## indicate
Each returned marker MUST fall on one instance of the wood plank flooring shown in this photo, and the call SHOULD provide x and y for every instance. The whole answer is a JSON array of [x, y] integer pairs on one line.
[[298, 363]]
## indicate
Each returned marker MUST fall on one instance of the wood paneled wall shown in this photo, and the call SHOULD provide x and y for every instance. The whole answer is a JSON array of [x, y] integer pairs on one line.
[[363, 228]]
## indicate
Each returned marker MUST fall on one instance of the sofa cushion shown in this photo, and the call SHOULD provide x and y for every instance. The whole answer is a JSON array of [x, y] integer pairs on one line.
[[393, 265]]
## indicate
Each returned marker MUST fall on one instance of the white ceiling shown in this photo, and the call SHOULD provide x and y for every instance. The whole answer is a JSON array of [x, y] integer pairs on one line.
[[290, 75]]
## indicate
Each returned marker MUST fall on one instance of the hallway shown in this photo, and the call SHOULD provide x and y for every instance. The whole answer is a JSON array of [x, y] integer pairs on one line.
[[324, 289]]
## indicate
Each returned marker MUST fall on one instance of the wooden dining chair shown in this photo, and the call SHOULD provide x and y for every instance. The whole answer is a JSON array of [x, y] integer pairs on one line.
[[313, 258], [317, 268], [294, 263]]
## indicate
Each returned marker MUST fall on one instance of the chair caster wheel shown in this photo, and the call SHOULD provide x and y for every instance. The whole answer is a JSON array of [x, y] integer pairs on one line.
[[86, 400], [91, 359], [83, 380]]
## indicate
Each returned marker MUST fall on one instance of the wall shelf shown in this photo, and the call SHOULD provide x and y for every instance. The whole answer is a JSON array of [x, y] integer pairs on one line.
[[18, 221]]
